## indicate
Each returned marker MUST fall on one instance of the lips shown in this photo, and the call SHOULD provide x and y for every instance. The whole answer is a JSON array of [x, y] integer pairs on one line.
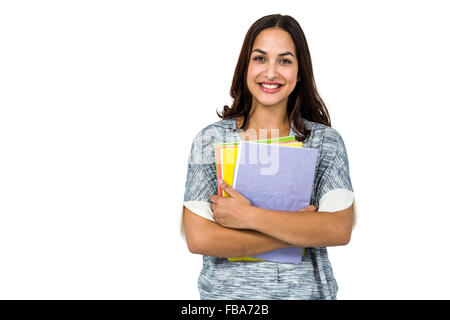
[[270, 87]]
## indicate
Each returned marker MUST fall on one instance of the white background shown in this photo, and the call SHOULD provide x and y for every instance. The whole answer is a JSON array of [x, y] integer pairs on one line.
[[100, 101]]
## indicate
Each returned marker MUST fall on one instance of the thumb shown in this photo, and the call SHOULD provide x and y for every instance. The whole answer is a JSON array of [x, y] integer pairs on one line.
[[231, 192]]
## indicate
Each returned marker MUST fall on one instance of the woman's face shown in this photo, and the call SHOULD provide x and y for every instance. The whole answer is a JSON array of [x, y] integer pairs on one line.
[[273, 67]]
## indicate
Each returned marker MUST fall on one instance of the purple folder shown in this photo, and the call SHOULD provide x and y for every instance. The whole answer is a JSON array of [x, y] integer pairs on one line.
[[278, 178]]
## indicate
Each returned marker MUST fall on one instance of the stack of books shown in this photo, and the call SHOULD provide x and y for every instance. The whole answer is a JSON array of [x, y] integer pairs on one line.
[[275, 174]]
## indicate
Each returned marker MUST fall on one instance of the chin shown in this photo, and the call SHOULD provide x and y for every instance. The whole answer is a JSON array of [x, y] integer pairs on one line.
[[270, 102]]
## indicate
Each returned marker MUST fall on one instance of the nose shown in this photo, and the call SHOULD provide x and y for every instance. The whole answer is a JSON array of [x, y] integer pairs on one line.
[[271, 71]]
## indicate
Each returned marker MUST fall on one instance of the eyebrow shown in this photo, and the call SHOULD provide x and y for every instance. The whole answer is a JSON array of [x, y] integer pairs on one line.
[[287, 53]]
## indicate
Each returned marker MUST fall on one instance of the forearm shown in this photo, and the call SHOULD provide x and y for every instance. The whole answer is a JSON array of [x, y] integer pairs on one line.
[[209, 238], [305, 229], [231, 243]]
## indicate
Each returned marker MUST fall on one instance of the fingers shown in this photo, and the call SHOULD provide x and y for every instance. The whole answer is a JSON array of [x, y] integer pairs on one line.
[[214, 198], [231, 192]]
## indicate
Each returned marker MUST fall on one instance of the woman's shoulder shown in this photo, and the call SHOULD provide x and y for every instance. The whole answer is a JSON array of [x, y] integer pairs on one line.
[[326, 138], [319, 130], [217, 132]]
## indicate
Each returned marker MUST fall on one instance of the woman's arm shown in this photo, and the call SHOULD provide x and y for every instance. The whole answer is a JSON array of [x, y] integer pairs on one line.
[[309, 229], [300, 229], [206, 237]]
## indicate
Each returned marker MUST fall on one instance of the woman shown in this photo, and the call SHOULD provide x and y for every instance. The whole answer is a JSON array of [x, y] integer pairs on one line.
[[273, 90]]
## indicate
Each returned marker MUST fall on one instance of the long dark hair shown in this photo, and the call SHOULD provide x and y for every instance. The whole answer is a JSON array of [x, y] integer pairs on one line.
[[304, 101]]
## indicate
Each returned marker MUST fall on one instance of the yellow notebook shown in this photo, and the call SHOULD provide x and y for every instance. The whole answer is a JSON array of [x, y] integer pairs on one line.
[[229, 156]]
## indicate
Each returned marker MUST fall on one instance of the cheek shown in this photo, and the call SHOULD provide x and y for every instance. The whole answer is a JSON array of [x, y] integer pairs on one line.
[[291, 77], [253, 72]]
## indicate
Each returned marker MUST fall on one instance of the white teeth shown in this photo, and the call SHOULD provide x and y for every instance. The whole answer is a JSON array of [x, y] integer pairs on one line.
[[270, 86]]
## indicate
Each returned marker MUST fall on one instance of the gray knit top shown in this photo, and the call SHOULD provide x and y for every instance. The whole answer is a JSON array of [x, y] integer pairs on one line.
[[313, 278]]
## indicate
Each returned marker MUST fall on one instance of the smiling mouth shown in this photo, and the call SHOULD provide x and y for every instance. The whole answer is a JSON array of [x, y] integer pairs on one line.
[[270, 86]]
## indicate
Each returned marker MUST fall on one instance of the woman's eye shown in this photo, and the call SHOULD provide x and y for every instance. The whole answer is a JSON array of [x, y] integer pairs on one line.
[[261, 58]]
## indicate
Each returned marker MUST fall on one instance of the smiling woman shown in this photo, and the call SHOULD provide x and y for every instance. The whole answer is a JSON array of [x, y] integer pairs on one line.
[[275, 51], [274, 94]]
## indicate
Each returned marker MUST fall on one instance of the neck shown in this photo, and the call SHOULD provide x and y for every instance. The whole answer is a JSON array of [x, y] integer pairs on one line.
[[265, 123]]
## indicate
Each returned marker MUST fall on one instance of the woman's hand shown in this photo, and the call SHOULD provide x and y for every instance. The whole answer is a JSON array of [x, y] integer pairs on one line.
[[236, 211], [232, 212]]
